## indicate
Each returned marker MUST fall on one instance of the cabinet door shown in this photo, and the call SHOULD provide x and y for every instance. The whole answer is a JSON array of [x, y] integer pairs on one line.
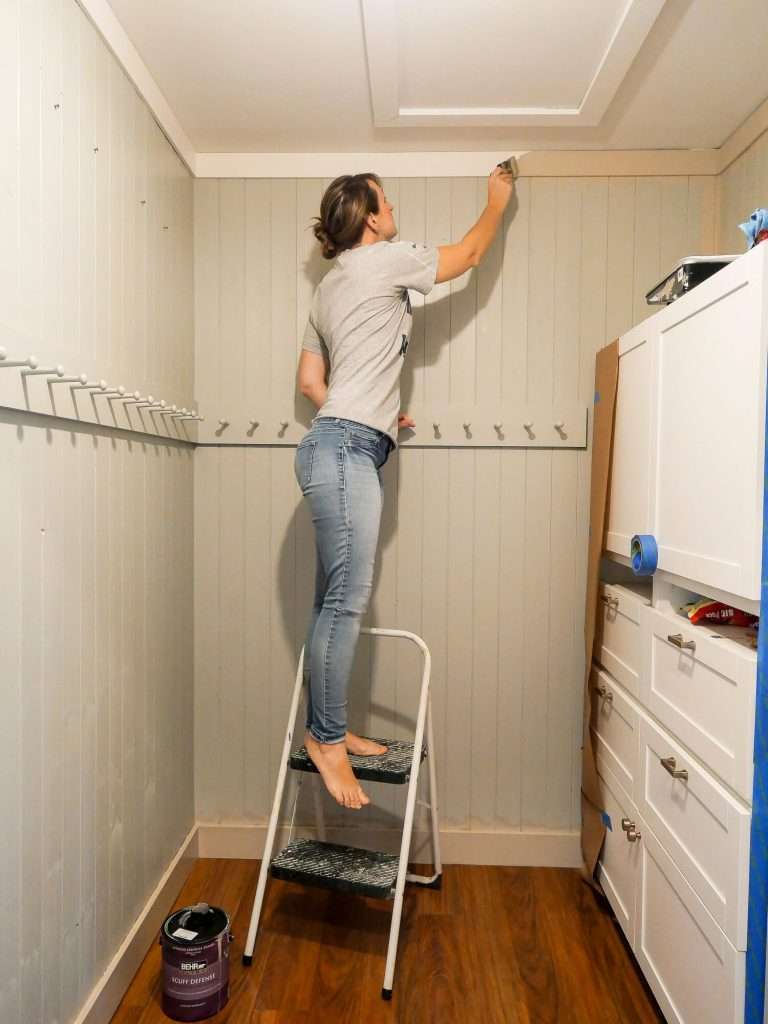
[[695, 973], [619, 859], [708, 429], [629, 500]]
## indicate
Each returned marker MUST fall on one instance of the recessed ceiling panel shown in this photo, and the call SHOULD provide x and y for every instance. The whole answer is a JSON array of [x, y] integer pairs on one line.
[[534, 62], [491, 54]]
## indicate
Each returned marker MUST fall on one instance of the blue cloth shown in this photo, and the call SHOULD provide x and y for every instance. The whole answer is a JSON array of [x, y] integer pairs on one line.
[[337, 467], [758, 221]]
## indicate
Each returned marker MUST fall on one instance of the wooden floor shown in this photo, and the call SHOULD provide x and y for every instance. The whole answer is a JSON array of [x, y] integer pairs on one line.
[[496, 945]]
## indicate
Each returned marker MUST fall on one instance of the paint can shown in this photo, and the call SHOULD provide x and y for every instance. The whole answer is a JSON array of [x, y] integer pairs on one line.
[[195, 943]]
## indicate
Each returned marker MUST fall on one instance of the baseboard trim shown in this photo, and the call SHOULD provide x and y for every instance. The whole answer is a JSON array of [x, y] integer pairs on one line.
[[508, 848], [103, 1001]]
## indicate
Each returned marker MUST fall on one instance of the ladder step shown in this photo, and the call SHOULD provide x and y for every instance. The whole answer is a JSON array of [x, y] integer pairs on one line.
[[331, 866], [393, 767]]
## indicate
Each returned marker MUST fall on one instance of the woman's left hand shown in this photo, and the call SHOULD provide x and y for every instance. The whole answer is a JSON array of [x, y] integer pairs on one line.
[[404, 421]]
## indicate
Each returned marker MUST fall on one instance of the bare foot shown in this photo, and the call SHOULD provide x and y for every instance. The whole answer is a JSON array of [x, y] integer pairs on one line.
[[332, 762], [359, 745]]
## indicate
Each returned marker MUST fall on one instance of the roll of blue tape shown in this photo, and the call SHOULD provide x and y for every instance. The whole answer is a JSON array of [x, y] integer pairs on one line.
[[645, 554]]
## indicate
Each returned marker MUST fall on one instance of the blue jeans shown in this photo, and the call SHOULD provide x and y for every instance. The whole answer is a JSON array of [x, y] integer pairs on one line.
[[338, 467]]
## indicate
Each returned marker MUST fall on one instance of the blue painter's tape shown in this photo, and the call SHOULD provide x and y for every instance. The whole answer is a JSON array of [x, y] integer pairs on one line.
[[757, 920], [644, 553], [607, 820]]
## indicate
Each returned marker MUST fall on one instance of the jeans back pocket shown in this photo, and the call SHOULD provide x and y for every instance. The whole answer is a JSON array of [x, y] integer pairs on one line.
[[305, 456]]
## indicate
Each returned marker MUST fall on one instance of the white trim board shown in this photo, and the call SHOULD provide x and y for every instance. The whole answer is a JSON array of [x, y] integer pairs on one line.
[[540, 163], [380, 22], [501, 848], [105, 997], [101, 15]]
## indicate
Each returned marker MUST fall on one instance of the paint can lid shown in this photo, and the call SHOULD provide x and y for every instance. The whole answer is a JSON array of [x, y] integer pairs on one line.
[[196, 924]]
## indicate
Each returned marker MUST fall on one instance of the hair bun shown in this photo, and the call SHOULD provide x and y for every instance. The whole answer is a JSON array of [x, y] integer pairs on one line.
[[330, 249]]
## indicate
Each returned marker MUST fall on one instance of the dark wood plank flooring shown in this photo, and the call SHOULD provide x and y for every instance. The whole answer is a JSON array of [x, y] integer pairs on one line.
[[496, 945]]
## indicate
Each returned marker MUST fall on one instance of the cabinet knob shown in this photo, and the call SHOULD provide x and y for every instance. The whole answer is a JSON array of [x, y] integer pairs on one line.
[[633, 835], [612, 602], [604, 692]]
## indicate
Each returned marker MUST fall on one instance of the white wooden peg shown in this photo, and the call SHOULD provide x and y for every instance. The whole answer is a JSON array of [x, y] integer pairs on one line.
[[223, 423], [253, 424], [81, 379], [29, 361], [58, 371]]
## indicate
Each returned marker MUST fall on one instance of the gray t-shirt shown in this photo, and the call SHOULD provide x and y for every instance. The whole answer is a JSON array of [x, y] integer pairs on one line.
[[361, 318]]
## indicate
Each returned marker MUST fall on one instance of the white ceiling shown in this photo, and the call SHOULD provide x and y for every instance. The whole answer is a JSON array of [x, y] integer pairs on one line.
[[270, 76]]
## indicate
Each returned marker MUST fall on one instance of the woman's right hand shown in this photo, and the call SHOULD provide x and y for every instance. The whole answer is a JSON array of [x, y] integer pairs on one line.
[[501, 185]]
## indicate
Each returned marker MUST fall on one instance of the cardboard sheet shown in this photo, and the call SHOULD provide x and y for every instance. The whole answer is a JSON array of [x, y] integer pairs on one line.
[[606, 382]]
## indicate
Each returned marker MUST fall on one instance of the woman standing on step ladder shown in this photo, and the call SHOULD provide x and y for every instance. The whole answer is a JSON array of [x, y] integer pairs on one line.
[[359, 323]]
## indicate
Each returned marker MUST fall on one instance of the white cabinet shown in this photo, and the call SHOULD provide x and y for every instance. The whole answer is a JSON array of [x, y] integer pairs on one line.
[[620, 858], [695, 973], [708, 401], [702, 827], [629, 510], [615, 729], [617, 632], [673, 705], [701, 688], [689, 431]]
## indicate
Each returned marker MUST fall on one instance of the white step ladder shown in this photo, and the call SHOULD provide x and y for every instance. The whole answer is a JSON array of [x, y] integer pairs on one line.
[[349, 868]]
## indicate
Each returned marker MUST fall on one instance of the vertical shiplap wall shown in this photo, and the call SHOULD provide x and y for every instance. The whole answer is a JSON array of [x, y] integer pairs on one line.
[[95, 526], [96, 214], [482, 551], [743, 187]]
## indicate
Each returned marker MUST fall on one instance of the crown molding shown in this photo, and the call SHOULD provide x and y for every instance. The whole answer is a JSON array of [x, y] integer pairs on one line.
[[539, 163], [745, 135], [383, 60], [103, 18]]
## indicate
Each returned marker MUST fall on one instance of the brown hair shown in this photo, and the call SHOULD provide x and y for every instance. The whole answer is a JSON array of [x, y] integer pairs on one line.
[[343, 210]]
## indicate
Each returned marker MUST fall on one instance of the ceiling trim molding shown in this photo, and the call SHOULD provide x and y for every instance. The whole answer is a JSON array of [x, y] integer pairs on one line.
[[539, 164], [745, 136], [383, 59], [103, 18]]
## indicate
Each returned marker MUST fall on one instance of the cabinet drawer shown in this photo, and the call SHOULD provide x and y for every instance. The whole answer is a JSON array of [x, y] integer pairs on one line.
[[702, 827], [617, 634], [695, 973], [705, 696], [620, 856], [614, 723]]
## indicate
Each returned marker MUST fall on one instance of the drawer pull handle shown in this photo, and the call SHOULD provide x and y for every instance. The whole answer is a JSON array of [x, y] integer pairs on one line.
[[684, 645], [633, 835], [612, 602], [604, 692], [669, 763], [626, 824]]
